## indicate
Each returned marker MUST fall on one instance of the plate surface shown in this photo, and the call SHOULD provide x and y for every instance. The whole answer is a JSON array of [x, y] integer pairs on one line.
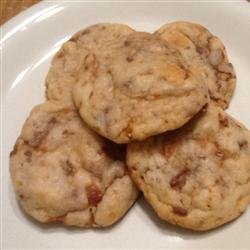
[[28, 43]]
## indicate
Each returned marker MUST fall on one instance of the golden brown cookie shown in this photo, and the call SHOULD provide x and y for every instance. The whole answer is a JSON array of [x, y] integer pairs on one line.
[[62, 171], [69, 59], [198, 176], [195, 42], [138, 86]]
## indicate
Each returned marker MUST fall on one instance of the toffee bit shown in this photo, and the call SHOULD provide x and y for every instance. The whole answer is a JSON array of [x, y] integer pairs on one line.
[[94, 195], [180, 211], [178, 181]]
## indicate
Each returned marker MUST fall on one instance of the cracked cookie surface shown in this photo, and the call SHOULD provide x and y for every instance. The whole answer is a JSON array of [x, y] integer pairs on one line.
[[138, 86], [196, 42], [198, 176], [68, 60], [62, 171]]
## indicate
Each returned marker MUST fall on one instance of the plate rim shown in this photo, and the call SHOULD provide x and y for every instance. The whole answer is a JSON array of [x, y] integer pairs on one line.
[[23, 15]]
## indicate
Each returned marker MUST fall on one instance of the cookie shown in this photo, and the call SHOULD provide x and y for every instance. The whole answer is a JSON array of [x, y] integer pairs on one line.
[[136, 87], [196, 43], [64, 172], [198, 176], [66, 63]]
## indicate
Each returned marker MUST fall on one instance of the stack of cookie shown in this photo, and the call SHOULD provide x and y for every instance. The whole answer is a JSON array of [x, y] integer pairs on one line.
[[127, 107]]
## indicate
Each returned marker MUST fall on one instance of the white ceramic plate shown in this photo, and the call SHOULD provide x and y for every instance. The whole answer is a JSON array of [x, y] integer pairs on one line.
[[28, 43]]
